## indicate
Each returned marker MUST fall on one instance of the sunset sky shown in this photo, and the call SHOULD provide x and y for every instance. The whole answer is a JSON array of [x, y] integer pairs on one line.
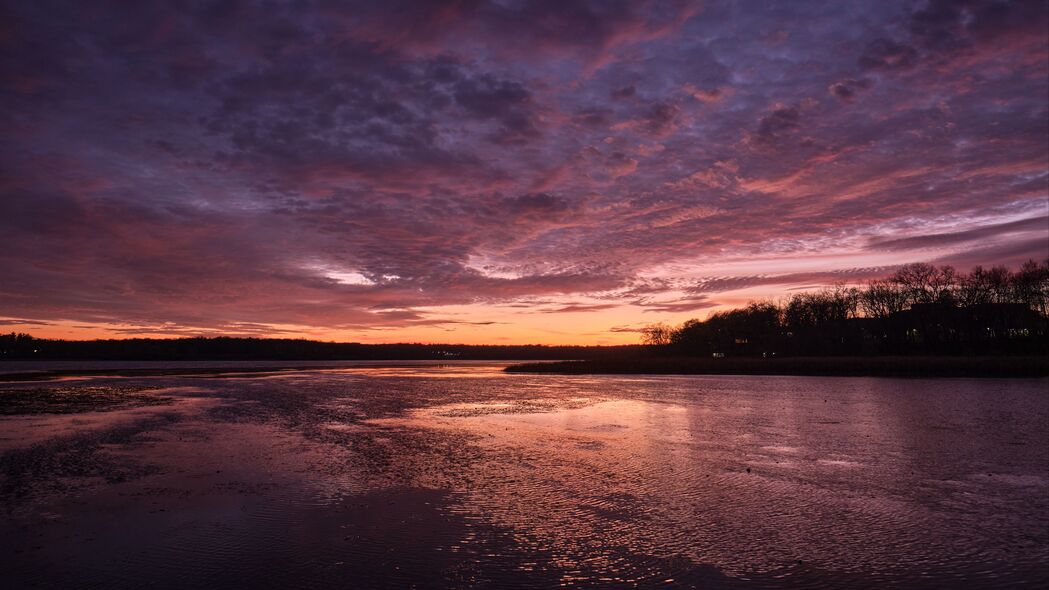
[[501, 172]]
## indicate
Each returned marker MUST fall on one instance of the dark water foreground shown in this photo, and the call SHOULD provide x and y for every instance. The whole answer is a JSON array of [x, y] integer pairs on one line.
[[467, 477]]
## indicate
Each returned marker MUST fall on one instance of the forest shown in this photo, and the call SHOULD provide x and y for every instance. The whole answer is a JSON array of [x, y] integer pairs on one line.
[[921, 309]]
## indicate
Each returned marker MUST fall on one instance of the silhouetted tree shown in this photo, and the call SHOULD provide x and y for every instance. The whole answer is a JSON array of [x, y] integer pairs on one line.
[[882, 298], [657, 334], [920, 309], [754, 329], [817, 322], [925, 283], [1030, 286]]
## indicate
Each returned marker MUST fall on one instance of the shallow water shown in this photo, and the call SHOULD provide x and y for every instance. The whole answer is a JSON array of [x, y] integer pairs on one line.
[[462, 476]]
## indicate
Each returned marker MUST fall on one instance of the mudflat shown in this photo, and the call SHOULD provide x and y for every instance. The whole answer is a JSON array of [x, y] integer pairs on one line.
[[462, 475]]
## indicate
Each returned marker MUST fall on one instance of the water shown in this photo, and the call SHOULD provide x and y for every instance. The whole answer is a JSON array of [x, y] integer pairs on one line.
[[458, 475]]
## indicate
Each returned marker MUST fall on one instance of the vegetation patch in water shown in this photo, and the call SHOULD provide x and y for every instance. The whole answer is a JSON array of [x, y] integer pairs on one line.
[[74, 400]]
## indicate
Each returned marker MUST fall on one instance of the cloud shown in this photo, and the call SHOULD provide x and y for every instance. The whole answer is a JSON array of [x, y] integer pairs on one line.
[[210, 167], [580, 307], [680, 305], [540, 204], [985, 232], [886, 54], [947, 25], [585, 30], [1011, 253], [657, 119], [22, 321], [847, 89], [734, 283], [778, 123]]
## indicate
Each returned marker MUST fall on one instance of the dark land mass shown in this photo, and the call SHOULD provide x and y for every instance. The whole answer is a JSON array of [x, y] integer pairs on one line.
[[921, 310], [25, 347], [913, 366]]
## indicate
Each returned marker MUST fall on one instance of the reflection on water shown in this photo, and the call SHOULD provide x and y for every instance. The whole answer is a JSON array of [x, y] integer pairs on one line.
[[462, 476]]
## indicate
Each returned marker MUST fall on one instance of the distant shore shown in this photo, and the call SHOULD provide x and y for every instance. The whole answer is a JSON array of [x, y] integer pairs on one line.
[[55, 370], [917, 366]]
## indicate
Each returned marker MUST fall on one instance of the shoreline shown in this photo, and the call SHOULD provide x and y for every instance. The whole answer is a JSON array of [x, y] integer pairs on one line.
[[940, 366], [205, 368]]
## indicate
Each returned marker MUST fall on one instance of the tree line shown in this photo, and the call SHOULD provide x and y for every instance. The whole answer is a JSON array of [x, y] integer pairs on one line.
[[17, 346], [920, 309]]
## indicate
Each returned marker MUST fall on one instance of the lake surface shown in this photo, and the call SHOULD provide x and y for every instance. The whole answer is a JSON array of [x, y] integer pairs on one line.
[[461, 476]]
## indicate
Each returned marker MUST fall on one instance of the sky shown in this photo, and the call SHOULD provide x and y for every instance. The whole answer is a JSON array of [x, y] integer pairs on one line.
[[510, 172]]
